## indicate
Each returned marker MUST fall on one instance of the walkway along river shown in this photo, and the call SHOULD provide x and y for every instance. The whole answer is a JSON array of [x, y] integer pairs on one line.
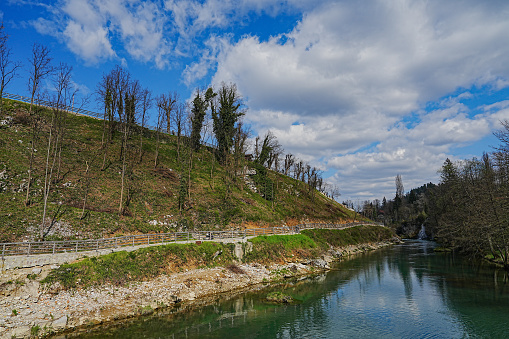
[[403, 291], [27, 306], [39, 253]]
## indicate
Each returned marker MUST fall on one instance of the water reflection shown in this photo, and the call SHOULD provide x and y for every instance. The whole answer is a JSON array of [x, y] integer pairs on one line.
[[402, 291]]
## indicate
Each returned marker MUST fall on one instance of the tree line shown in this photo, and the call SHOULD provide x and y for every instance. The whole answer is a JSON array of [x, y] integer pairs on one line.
[[468, 210]]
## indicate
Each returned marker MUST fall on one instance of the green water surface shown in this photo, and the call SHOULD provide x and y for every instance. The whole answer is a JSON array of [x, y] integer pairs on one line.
[[405, 291]]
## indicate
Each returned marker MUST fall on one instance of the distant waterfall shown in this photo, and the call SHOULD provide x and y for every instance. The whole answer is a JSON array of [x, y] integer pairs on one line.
[[422, 233]]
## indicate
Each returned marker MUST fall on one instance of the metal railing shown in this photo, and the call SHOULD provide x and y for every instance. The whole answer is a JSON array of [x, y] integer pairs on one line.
[[46, 103], [66, 246]]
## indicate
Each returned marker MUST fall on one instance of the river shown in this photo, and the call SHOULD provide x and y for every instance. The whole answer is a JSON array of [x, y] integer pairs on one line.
[[404, 291]]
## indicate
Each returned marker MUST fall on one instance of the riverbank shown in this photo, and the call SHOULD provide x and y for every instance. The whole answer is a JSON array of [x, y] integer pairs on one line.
[[29, 307]]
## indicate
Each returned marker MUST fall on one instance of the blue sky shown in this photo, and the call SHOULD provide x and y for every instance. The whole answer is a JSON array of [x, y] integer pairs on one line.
[[365, 89]]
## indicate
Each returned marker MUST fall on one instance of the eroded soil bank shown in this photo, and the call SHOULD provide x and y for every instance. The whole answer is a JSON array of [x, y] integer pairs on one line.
[[28, 307]]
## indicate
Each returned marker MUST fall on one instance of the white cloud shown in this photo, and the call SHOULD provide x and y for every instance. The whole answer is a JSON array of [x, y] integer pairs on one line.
[[416, 152], [192, 16], [45, 26], [356, 74], [91, 44], [199, 69], [90, 27]]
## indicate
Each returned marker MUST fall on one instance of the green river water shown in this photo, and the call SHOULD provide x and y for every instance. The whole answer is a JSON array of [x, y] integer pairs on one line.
[[404, 291]]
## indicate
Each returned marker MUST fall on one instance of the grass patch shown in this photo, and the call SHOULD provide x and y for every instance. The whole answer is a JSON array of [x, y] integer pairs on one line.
[[123, 267], [310, 243], [350, 236], [276, 248]]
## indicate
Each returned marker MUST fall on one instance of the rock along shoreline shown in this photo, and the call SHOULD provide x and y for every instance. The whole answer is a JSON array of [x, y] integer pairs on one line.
[[28, 308]]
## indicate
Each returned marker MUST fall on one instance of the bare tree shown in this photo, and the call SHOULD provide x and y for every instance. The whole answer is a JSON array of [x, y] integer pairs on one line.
[[399, 186], [121, 82], [131, 94], [146, 104], [179, 117], [105, 94], [274, 154], [239, 148], [62, 87], [8, 68], [289, 161], [398, 200], [298, 168], [306, 172], [40, 68], [168, 103], [113, 92], [334, 191], [160, 102]]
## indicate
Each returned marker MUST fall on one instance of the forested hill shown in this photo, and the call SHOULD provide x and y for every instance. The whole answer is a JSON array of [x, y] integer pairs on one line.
[[467, 211], [87, 177]]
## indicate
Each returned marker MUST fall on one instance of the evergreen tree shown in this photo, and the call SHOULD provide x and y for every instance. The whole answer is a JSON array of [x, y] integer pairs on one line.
[[198, 112], [225, 117]]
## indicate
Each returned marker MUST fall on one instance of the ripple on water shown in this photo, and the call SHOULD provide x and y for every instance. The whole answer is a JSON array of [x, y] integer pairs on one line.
[[406, 291]]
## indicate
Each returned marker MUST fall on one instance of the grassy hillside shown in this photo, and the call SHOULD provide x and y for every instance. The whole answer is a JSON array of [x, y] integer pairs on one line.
[[215, 199]]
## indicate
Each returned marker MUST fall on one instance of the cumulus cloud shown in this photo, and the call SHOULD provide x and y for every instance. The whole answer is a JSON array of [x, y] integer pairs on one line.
[[90, 43], [192, 16], [416, 152], [356, 74], [199, 69], [149, 31], [89, 28]]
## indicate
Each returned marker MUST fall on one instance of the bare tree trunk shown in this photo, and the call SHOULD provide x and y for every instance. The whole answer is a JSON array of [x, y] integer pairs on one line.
[[189, 174], [48, 173], [141, 147], [157, 149], [178, 148], [32, 157], [86, 192], [30, 169], [121, 205]]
